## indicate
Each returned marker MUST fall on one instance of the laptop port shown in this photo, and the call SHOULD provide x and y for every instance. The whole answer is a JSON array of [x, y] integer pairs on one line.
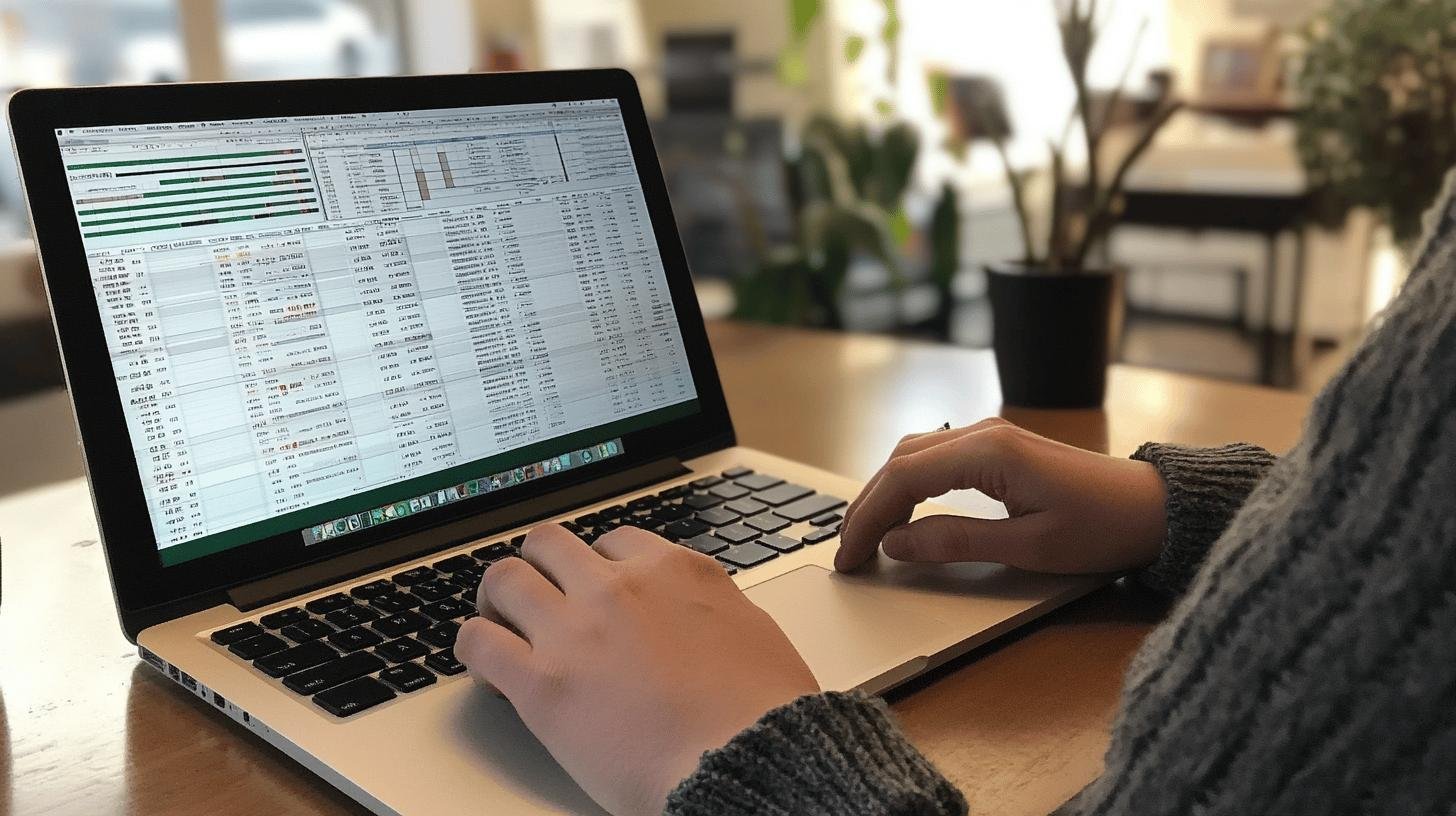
[[151, 658], [217, 700], [189, 682]]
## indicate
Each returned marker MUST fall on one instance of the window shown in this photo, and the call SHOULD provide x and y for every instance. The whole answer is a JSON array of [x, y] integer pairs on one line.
[[285, 39]]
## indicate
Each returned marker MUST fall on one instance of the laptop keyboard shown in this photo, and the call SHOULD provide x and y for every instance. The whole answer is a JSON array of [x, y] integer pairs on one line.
[[370, 643]]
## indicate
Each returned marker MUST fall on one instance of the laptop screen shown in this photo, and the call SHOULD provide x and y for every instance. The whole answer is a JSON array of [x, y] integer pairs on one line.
[[325, 324]]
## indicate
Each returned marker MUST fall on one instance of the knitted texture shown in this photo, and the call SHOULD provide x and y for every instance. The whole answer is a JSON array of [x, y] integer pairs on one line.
[[845, 755], [1308, 668], [1205, 487]]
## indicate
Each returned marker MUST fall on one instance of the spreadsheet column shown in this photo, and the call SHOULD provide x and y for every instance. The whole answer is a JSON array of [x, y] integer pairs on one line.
[[148, 393]]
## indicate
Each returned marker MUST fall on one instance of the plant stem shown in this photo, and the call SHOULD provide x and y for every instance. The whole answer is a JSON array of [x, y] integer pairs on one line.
[[1056, 238], [1018, 199], [1101, 215]]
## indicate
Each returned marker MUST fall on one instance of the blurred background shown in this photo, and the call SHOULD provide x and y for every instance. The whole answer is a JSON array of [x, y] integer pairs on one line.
[[854, 164]]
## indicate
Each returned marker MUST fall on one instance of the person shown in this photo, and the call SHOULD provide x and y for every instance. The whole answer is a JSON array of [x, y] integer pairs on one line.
[[1307, 666]]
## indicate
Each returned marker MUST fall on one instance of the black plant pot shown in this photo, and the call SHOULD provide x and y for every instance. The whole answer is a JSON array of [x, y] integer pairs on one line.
[[1053, 333]]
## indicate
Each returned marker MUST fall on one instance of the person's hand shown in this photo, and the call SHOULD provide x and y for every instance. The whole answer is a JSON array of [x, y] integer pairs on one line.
[[1070, 510], [627, 662]]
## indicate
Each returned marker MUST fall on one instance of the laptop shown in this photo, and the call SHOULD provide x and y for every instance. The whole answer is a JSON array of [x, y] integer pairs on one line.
[[334, 346]]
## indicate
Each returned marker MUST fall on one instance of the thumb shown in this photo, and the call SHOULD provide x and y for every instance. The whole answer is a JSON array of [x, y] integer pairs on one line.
[[950, 539]]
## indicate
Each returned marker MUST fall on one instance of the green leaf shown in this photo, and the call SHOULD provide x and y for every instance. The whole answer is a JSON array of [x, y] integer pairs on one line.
[[802, 14], [853, 48], [793, 67], [899, 227], [938, 83]]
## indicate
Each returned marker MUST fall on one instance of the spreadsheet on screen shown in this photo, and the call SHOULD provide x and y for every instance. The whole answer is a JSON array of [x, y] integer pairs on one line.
[[301, 309]]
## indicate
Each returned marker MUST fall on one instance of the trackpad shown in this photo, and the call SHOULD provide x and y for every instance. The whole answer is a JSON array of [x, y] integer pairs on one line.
[[846, 633]]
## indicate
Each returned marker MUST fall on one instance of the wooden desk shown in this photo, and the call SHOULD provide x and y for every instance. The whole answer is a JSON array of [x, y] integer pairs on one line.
[[86, 728]]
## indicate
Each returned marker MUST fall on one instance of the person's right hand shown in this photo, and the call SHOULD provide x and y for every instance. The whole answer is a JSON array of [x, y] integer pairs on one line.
[[1070, 510]]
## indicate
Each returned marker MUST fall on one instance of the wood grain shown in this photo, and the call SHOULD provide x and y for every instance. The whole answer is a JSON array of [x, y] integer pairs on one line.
[[85, 728]]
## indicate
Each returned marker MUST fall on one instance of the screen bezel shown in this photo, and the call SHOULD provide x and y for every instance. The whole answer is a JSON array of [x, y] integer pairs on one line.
[[138, 576]]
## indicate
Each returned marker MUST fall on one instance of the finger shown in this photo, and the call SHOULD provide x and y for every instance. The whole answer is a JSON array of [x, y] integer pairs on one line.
[[914, 443], [515, 594], [562, 557], [626, 543], [496, 656], [943, 539], [911, 479]]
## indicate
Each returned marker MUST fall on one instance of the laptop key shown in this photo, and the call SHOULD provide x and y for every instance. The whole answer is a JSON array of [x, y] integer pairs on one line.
[[717, 516], [822, 534], [612, 511], [706, 482], [255, 647], [491, 552], [441, 635], [407, 677], [400, 624], [329, 603], [672, 512], [455, 563], [236, 632], [283, 617], [306, 630], [809, 507], [373, 589], [643, 503], [402, 649], [767, 522], [352, 616], [736, 472], [826, 520], [706, 544], [447, 609], [747, 555], [728, 490], [352, 640], [395, 602], [444, 662], [779, 543], [759, 481], [410, 577], [296, 659], [782, 494], [675, 492], [702, 501], [353, 697], [327, 675], [745, 507], [736, 533], [687, 528], [433, 590]]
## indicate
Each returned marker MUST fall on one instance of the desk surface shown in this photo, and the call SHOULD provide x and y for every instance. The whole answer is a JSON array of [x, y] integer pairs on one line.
[[1021, 725]]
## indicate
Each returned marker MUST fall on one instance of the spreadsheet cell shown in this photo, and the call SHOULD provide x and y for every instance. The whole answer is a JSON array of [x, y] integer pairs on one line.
[[473, 281]]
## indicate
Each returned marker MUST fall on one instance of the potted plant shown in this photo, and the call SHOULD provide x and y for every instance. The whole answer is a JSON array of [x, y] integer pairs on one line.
[[1377, 123], [847, 185], [1055, 309]]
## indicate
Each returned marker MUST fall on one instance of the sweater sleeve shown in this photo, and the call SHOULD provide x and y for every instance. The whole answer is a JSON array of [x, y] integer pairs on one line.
[[1205, 488], [835, 753]]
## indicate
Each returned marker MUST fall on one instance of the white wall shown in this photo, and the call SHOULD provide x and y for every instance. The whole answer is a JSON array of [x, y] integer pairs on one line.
[[440, 36]]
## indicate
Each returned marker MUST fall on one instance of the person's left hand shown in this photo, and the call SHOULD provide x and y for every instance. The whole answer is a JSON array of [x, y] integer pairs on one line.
[[627, 662]]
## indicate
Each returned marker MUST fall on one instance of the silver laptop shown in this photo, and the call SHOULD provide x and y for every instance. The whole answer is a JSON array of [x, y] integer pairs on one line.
[[334, 346]]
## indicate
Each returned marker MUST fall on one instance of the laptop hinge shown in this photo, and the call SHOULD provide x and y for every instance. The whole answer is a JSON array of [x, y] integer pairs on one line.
[[339, 568]]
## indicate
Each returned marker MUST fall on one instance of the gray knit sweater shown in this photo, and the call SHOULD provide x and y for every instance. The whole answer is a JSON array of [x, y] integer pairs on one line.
[[1309, 665]]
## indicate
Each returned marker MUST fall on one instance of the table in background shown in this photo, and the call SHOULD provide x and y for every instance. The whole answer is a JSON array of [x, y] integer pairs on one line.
[[1020, 725]]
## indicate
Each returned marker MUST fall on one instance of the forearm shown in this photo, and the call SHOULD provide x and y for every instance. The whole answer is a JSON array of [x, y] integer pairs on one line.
[[829, 754], [1205, 489]]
